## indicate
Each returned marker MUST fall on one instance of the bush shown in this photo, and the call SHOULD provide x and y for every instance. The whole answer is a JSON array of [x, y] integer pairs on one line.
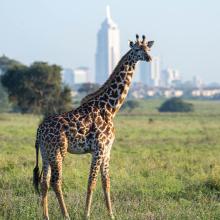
[[175, 105]]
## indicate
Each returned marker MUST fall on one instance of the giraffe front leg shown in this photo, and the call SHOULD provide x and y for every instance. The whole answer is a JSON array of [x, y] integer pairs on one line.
[[106, 184], [94, 170]]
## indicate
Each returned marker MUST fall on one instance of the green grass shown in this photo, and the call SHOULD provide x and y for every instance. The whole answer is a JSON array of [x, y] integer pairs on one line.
[[163, 166]]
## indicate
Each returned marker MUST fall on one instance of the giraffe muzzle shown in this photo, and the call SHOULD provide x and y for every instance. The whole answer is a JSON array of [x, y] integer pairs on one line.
[[148, 58]]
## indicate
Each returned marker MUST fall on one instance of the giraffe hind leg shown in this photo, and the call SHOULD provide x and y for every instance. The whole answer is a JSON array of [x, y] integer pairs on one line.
[[44, 188], [94, 170], [106, 184], [56, 182]]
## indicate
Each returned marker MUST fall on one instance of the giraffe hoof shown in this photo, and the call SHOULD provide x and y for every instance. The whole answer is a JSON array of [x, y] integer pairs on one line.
[[112, 216], [87, 217]]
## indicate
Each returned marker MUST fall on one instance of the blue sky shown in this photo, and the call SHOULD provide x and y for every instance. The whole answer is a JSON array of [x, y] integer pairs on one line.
[[186, 33]]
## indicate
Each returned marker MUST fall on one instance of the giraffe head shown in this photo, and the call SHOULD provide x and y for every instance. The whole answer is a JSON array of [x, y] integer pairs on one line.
[[141, 48]]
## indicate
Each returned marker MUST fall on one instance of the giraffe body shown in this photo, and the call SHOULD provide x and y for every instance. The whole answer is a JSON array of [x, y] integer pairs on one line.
[[87, 129]]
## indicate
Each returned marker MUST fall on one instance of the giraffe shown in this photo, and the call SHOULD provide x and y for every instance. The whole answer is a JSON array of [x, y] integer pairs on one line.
[[86, 129]]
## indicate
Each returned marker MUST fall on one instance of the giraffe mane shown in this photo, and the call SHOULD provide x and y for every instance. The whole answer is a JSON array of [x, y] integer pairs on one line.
[[107, 82]]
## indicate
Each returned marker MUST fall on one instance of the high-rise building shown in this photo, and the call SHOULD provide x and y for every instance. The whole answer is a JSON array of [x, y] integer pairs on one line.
[[155, 71], [169, 77], [81, 75], [150, 72], [67, 76], [197, 82], [108, 48]]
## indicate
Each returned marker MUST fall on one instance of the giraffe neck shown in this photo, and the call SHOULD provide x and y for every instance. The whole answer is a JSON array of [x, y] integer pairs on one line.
[[114, 91], [117, 89]]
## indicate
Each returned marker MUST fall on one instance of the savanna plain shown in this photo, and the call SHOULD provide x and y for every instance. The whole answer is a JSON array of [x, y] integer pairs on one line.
[[163, 166]]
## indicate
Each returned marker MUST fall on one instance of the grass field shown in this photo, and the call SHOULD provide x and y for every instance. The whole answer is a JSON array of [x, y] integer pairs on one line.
[[163, 166]]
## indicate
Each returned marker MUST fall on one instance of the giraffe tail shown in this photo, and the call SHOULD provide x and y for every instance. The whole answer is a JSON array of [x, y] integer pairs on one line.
[[36, 171]]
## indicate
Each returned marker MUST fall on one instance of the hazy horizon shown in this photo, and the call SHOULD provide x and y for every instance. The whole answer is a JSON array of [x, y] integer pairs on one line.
[[186, 33]]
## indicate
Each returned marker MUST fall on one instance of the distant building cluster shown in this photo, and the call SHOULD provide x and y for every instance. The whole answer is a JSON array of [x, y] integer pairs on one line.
[[151, 79], [108, 54], [152, 75]]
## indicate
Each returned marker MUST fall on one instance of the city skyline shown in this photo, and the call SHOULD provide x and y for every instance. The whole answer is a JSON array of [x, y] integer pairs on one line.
[[186, 33]]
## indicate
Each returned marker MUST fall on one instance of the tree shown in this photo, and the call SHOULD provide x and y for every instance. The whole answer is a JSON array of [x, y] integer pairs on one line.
[[175, 105], [44, 84], [6, 63], [13, 81], [62, 104], [37, 89]]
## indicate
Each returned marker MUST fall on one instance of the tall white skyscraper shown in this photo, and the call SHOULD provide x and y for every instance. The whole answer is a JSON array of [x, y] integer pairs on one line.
[[108, 48], [81, 75]]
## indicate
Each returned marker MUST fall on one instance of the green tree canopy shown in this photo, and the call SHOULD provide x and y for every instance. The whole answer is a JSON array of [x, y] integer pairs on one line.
[[6, 63], [37, 89]]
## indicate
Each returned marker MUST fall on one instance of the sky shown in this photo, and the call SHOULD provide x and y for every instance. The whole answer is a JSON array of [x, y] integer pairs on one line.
[[186, 33]]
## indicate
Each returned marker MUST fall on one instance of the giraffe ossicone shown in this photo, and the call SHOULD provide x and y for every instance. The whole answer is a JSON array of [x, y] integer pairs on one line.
[[86, 129]]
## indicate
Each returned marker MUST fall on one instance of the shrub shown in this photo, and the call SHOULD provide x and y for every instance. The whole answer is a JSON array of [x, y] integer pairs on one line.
[[175, 105]]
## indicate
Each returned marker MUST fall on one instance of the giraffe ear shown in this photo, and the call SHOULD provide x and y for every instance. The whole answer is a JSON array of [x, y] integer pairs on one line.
[[131, 44], [150, 43]]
